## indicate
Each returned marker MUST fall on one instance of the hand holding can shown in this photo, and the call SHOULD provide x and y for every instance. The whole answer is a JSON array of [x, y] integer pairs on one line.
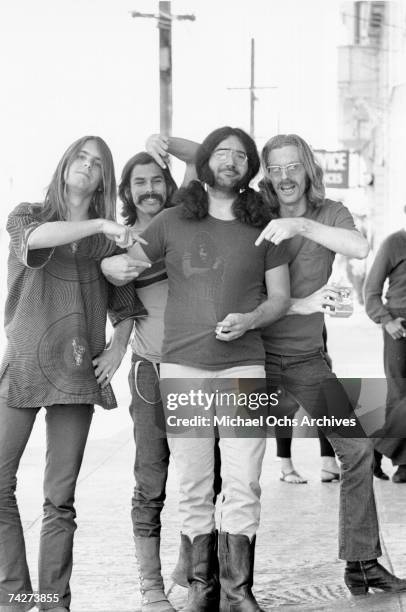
[[345, 302]]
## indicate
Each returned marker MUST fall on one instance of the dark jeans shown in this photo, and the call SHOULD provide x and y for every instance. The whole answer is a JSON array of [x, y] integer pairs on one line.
[[283, 437], [394, 360], [67, 430], [310, 380], [151, 448]]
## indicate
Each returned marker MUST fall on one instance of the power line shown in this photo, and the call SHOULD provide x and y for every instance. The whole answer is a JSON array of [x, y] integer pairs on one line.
[[252, 89]]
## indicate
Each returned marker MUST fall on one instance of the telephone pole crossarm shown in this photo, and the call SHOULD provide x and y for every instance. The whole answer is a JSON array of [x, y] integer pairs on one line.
[[164, 21], [161, 16]]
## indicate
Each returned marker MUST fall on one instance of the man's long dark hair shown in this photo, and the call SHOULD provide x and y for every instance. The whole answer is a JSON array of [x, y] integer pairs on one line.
[[143, 158], [248, 207]]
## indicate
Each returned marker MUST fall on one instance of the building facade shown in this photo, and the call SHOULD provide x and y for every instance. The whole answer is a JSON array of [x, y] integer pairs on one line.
[[372, 107]]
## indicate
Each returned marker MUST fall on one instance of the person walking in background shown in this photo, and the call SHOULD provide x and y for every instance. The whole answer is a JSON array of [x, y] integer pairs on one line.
[[330, 471], [55, 319], [389, 266], [295, 359]]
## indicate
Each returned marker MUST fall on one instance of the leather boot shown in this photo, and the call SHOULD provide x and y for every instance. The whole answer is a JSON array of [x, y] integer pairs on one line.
[[400, 474], [378, 471], [203, 593], [360, 576], [181, 573], [149, 567], [236, 556]]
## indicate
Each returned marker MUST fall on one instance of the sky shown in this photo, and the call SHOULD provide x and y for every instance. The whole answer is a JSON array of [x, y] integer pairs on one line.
[[76, 67]]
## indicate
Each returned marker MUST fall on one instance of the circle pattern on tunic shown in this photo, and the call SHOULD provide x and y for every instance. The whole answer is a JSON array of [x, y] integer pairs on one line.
[[64, 356], [65, 266]]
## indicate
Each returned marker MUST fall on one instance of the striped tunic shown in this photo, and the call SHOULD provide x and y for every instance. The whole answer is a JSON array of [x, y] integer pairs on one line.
[[55, 317]]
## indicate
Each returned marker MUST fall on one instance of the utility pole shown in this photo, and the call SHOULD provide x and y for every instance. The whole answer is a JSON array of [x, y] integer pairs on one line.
[[252, 89], [165, 68], [164, 19]]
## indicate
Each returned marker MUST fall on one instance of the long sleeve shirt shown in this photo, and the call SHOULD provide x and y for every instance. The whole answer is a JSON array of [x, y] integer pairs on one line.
[[389, 264]]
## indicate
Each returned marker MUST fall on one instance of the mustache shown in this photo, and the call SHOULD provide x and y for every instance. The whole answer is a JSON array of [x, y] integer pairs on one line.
[[287, 183], [230, 167], [151, 195]]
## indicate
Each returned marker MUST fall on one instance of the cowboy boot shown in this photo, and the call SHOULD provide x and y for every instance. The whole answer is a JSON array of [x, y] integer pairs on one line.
[[181, 573], [236, 556], [360, 576], [203, 593]]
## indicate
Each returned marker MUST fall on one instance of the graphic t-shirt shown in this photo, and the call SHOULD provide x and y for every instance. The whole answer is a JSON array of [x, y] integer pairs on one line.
[[214, 269], [309, 268]]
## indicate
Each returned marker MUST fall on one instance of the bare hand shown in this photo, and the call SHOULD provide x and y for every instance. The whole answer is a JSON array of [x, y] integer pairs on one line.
[[280, 229], [122, 235], [106, 364], [123, 267], [135, 237], [157, 147], [233, 326], [323, 300], [395, 328]]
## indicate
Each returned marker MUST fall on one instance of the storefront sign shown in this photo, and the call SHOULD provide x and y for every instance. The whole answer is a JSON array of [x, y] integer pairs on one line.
[[335, 166]]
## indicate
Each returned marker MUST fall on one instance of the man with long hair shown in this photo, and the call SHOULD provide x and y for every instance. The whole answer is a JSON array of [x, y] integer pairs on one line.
[[159, 146], [145, 190], [55, 320], [215, 341], [319, 228]]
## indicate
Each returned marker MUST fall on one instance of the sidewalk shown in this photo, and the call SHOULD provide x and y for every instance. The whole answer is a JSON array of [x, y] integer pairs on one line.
[[296, 564]]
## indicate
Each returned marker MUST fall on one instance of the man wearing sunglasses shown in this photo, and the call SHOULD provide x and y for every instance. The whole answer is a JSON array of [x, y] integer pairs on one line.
[[319, 228], [212, 340]]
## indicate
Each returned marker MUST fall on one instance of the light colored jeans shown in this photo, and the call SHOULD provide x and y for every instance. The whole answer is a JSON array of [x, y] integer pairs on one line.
[[241, 459], [67, 431]]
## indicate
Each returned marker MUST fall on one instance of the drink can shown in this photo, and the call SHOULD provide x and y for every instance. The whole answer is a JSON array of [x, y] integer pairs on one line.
[[345, 302]]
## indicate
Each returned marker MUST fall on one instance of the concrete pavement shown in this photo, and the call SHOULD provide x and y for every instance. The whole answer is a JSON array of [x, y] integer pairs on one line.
[[296, 563]]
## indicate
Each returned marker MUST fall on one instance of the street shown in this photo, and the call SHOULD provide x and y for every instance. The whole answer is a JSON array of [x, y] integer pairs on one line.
[[296, 562]]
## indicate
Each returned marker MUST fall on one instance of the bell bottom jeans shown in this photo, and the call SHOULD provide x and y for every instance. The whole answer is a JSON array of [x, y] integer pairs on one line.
[[310, 380], [67, 428]]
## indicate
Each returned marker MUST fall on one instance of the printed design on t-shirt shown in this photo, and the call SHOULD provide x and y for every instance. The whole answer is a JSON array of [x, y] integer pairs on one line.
[[204, 269]]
